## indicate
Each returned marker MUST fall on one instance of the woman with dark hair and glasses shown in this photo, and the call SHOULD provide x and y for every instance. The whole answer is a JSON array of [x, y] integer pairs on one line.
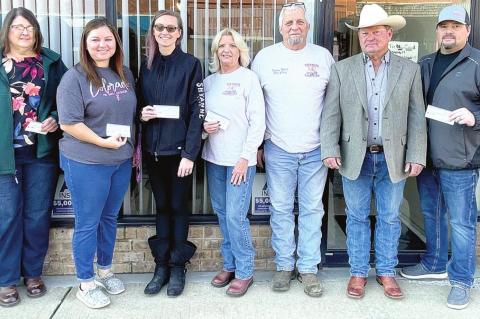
[[172, 110], [97, 105], [29, 76]]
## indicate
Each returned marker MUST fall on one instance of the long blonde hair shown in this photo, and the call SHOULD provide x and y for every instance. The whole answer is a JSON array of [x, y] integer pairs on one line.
[[244, 59]]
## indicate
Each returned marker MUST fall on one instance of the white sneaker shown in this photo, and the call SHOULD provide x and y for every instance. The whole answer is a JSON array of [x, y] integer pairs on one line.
[[110, 283], [93, 298]]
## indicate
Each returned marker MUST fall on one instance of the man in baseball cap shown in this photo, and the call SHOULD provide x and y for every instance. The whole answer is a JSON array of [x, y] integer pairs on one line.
[[450, 81], [455, 13]]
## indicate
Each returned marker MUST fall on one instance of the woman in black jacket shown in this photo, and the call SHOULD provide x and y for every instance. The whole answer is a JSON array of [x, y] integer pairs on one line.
[[172, 102]]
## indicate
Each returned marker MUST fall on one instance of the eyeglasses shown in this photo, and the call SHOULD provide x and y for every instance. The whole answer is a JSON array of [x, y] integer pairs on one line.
[[294, 4], [20, 28], [161, 27]]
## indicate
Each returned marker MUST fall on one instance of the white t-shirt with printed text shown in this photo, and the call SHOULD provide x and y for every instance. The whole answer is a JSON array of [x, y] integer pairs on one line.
[[294, 84]]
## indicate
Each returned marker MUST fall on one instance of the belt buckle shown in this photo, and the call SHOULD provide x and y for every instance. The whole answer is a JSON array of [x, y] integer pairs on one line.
[[375, 148]]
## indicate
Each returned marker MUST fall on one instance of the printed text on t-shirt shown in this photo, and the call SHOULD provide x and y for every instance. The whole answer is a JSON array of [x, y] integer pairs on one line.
[[231, 89], [280, 71], [110, 89], [312, 70]]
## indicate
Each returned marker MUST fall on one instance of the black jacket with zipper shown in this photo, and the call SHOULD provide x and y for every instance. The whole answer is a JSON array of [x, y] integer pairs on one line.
[[176, 80], [454, 146]]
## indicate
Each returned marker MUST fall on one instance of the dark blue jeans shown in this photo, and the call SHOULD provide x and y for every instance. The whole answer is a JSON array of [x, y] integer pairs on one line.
[[435, 221], [97, 195], [453, 191], [26, 201]]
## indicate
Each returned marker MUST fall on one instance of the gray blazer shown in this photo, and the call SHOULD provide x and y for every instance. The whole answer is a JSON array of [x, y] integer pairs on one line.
[[344, 124]]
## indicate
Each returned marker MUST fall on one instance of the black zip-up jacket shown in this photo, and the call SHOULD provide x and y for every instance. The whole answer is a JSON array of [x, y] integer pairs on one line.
[[455, 146], [177, 80]]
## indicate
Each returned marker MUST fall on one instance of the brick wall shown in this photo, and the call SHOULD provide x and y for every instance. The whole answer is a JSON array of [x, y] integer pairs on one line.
[[132, 253]]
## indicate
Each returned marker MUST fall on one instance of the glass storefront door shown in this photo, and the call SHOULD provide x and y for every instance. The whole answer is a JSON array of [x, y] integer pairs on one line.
[[414, 41]]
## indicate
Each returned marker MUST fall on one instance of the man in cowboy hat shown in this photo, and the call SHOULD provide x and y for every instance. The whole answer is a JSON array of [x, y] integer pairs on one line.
[[450, 79], [374, 133]]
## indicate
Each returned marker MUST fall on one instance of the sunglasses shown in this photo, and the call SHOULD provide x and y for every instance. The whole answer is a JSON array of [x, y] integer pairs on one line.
[[294, 4], [161, 27]]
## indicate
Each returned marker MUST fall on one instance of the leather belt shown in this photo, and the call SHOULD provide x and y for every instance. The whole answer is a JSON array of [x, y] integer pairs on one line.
[[375, 148]]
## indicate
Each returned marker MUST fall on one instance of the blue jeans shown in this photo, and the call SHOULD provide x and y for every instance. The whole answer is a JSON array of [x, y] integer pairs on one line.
[[97, 195], [286, 171], [455, 189], [231, 203], [25, 210], [435, 221], [374, 179]]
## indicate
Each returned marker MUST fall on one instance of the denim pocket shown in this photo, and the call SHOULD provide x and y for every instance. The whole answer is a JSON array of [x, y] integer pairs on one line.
[[8, 200]]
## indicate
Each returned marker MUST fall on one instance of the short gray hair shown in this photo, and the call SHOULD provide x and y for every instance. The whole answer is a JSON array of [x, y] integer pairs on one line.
[[282, 13]]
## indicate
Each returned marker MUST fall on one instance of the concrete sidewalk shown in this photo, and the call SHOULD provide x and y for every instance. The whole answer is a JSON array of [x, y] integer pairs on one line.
[[201, 300]]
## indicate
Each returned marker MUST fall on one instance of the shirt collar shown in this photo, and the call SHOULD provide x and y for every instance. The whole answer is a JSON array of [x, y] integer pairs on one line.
[[385, 58]]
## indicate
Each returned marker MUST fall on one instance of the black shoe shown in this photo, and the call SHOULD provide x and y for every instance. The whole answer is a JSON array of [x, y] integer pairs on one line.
[[177, 281], [160, 279], [179, 256], [161, 253]]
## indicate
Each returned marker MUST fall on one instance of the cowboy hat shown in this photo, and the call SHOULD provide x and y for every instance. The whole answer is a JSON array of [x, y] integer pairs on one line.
[[373, 15]]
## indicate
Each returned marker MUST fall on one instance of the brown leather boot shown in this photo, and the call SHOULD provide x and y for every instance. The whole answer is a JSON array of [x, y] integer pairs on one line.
[[391, 289], [223, 278], [356, 287], [239, 287], [9, 296]]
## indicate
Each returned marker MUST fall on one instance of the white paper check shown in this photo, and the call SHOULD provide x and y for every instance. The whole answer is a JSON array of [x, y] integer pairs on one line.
[[167, 111], [215, 117], [35, 127], [116, 129], [438, 114]]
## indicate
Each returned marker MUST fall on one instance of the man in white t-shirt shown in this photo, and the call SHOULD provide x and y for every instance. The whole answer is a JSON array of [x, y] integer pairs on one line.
[[294, 75]]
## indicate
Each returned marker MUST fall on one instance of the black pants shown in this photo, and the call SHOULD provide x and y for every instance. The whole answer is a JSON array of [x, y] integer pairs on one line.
[[171, 196]]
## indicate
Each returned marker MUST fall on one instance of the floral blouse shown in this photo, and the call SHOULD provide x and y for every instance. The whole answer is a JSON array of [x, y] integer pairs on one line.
[[26, 84]]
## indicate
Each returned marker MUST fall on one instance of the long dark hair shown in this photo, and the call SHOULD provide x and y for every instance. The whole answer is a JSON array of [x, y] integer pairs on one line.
[[86, 61], [150, 42], [7, 23]]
